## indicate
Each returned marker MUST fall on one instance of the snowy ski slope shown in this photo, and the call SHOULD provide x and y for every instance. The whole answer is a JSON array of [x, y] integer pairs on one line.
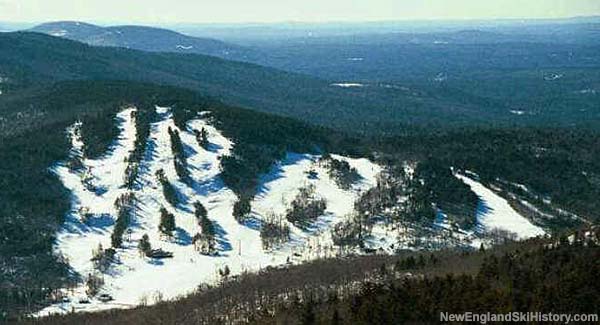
[[135, 279]]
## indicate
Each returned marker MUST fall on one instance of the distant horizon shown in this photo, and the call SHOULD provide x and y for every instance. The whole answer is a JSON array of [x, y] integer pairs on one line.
[[298, 22], [236, 12]]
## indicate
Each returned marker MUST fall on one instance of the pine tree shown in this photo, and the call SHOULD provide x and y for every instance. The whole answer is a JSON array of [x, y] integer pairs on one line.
[[202, 138], [169, 190], [200, 211], [241, 209], [144, 245], [206, 239], [167, 222], [224, 272]]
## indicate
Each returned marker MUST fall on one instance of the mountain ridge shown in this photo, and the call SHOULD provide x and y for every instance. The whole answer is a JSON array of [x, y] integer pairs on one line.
[[145, 38]]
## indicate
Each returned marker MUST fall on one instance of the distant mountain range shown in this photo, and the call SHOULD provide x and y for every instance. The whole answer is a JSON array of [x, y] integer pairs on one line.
[[37, 60], [141, 38], [441, 86]]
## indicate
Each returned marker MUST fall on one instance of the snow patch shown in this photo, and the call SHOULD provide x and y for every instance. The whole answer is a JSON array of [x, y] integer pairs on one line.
[[59, 33], [553, 77], [348, 85]]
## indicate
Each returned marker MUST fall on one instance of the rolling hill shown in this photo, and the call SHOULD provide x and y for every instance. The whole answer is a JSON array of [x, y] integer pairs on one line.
[[141, 38], [35, 60]]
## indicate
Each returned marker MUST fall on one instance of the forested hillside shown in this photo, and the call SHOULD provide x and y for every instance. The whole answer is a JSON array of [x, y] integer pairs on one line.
[[142, 38], [30, 59]]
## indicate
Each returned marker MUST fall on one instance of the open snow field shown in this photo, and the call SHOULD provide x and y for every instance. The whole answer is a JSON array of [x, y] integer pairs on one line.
[[136, 279]]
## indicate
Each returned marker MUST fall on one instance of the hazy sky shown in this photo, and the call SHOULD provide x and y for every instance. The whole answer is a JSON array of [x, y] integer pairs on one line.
[[206, 11]]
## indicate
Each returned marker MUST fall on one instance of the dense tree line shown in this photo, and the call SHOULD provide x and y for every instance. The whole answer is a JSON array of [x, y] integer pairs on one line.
[[204, 241], [144, 115], [449, 193], [179, 157], [540, 279], [169, 190], [125, 206]]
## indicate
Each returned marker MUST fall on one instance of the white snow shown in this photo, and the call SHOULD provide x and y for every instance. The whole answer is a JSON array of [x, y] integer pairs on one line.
[[281, 185], [553, 77], [59, 33], [587, 91], [440, 77], [135, 278], [494, 211], [348, 85]]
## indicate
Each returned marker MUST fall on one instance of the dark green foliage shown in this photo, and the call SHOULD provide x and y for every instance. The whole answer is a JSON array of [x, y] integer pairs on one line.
[[202, 138], [449, 193], [205, 240], [144, 245], [169, 190], [508, 283], [96, 139], [167, 222], [144, 115], [241, 209], [560, 164], [341, 172], [208, 228], [35, 59], [260, 140], [125, 205], [33, 201], [180, 160], [305, 207], [200, 211]]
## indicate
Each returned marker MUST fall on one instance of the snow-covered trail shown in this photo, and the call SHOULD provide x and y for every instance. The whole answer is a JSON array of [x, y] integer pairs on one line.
[[494, 211], [76, 240], [134, 279]]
